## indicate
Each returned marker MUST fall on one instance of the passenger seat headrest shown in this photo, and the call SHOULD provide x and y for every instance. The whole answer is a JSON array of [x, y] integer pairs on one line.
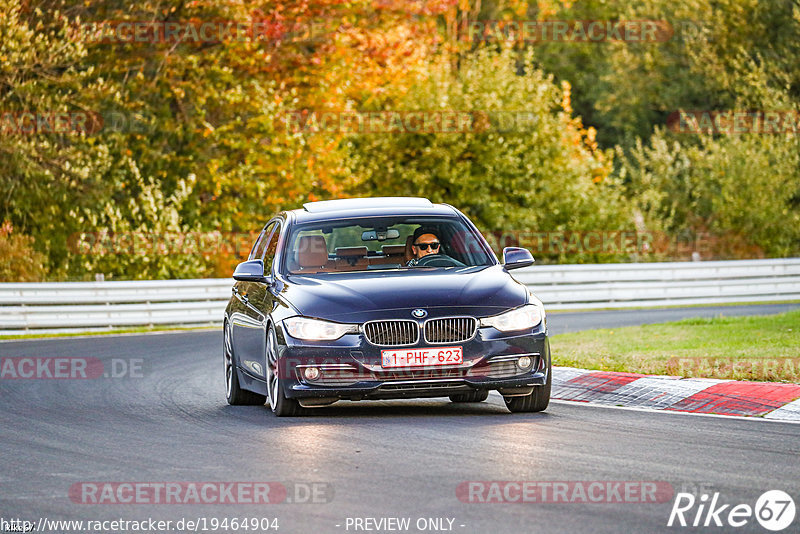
[[312, 251]]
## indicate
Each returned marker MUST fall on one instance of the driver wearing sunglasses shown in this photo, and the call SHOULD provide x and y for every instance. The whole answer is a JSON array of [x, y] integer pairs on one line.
[[423, 243]]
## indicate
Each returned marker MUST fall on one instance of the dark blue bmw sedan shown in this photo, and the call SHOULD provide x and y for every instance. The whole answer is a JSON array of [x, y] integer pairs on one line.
[[382, 298]]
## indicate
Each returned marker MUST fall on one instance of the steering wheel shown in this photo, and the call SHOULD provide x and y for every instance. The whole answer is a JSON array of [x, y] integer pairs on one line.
[[438, 260]]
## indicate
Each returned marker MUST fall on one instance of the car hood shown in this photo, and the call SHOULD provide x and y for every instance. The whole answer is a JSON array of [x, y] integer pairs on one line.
[[359, 297]]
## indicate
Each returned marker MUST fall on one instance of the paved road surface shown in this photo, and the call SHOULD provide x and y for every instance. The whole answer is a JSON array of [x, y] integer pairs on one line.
[[379, 460]]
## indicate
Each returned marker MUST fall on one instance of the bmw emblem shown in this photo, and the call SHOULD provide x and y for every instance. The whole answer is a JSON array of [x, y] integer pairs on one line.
[[419, 313]]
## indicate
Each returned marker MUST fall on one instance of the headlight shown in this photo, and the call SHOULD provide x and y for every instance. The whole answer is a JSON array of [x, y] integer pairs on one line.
[[521, 318], [314, 329]]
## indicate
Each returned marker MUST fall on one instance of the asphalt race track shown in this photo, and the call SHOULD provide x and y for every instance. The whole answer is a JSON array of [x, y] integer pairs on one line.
[[167, 421]]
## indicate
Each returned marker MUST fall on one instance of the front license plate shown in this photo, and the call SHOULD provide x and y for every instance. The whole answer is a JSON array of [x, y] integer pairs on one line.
[[421, 357]]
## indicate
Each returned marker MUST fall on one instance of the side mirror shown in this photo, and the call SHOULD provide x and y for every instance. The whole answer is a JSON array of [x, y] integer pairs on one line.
[[250, 271], [516, 258]]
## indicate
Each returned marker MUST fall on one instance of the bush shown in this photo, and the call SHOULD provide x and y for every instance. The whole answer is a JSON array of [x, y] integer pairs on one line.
[[742, 190], [19, 262]]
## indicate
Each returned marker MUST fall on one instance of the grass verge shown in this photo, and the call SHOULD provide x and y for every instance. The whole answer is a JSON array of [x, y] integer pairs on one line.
[[763, 348], [556, 310]]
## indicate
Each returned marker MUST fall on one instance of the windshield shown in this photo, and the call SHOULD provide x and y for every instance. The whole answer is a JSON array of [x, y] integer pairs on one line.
[[375, 244]]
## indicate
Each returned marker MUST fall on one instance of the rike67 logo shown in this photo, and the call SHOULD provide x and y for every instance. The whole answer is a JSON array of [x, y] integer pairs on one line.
[[774, 510]]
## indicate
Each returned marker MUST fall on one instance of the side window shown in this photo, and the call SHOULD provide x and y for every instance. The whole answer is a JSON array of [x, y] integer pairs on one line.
[[261, 244], [272, 246]]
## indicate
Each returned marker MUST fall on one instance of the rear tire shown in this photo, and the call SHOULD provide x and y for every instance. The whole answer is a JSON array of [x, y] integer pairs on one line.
[[235, 395], [472, 396], [281, 405], [537, 401]]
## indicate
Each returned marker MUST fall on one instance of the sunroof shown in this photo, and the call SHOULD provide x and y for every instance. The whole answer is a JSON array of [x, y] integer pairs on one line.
[[360, 203]]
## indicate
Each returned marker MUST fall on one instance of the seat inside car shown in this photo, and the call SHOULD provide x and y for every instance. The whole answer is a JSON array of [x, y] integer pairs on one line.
[[312, 255], [409, 252], [351, 258], [391, 254]]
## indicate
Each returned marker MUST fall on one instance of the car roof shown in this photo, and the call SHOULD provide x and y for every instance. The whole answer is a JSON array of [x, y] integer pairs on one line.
[[370, 207]]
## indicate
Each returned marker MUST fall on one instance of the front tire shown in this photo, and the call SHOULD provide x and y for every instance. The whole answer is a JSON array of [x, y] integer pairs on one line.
[[235, 395], [537, 401], [281, 405], [472, 396]]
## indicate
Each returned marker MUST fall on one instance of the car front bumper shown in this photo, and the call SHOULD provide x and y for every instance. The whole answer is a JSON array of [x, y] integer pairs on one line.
[[350, 368]]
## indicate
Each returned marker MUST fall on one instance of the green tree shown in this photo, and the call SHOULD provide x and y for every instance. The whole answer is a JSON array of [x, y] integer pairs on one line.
[[544, 173], [43, 176]]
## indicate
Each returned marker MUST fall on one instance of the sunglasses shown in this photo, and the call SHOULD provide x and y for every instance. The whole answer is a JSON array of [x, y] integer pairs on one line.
[[424, 246]]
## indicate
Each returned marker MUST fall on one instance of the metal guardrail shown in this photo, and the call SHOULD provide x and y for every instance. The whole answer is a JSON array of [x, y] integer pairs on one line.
[[624, 285], [86, 306]]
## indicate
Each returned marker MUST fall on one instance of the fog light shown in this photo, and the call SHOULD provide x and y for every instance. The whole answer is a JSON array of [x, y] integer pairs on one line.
[[524, 362], [311, 373]]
